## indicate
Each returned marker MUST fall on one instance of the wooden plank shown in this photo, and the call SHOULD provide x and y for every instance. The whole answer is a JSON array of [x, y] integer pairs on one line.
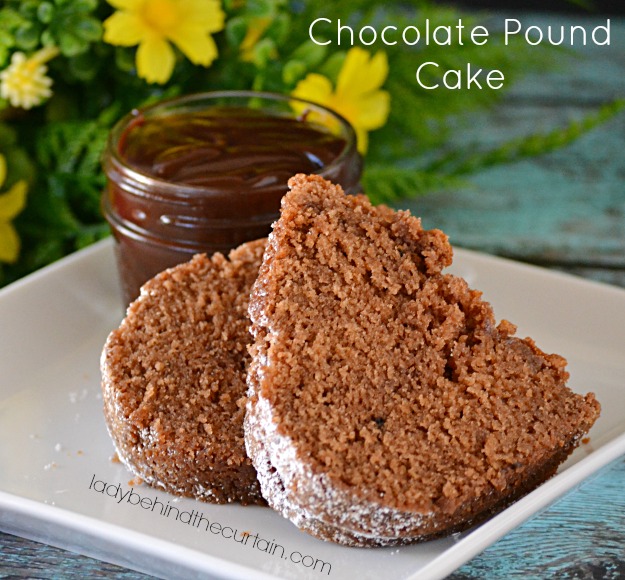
[[564, 208], [580, 536], [21, 558], [591, 74], [567, 207]]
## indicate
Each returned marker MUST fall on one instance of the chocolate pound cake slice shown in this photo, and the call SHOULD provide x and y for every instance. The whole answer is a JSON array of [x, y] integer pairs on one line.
[[385, 406], [173, 379]]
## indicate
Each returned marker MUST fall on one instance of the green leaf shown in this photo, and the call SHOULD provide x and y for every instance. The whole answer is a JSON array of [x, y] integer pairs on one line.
[[263, 51], [4, 58], [333, 65], [28, 9], [88, 29], [279, 28], [293, 71], [10, 19], [91, 234], [6, 39], [82, 5], [45, 12], [309, 53], [260, 8], [388, 185], [470, 161], [71, 45], [125, 59], [72, 147], [82, 67], [27, 37], [236, 29]]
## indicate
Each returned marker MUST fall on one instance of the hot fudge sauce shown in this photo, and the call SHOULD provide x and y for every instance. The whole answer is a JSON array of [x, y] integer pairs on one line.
[[204, 174]]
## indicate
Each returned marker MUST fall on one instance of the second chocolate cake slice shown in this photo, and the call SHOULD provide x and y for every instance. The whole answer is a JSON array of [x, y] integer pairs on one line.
[[386, 406], [173, 378]]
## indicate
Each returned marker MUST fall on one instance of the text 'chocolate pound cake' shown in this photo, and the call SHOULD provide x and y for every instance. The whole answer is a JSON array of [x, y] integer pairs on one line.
[[173, 379], [385, 406]]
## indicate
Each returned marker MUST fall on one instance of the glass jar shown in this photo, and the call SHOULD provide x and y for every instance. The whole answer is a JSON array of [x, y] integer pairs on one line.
[[206, 172]]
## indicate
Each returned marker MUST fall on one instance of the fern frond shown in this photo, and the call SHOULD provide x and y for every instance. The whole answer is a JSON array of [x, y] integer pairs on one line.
[[389, 185], [528, 146]]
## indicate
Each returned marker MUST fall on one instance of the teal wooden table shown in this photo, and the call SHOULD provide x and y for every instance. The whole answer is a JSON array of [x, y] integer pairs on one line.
[[565, 211]]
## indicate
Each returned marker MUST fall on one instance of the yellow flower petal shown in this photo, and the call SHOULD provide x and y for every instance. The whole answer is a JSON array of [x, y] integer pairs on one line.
[[377, 71], [255, 30], [315, 88], [3, 169], [13, 201], [195, 43], [351, 73], [9, 243], [124, 29], [152, 24], [362, 140], [361, 74], [130, 5], [357, 96], [46, 54], [205, 13], [371, 111], [155, 60]]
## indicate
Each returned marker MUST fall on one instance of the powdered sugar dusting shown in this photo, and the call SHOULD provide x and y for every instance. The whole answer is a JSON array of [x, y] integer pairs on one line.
[[309, 499], [173, 375], [385, 403]]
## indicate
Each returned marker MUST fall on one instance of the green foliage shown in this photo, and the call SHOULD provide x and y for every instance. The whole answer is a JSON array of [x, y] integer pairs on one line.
[[469, 160], [68, 24], [264, 46], [63, 213]]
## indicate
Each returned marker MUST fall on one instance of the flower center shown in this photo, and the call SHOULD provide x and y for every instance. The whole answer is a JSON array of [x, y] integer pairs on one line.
[[160, 15]]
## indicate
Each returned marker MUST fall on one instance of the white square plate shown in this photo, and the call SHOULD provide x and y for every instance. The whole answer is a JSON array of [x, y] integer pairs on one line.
[[59, 485]]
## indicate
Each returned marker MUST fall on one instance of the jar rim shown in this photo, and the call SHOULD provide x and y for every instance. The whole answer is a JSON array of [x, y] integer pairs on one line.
[[182, 190]]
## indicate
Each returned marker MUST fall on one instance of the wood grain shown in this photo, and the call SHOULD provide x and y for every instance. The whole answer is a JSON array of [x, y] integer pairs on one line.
[[21, 558], [582, 536], [566, 208]]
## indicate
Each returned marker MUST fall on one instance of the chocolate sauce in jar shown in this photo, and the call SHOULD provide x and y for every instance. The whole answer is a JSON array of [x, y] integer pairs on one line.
[[206, 173]]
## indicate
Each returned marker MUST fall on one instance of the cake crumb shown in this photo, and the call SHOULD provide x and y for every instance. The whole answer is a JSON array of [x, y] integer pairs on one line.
[[386, 405], [172, 374]]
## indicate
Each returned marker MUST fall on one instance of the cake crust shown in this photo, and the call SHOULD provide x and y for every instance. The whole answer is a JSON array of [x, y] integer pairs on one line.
[[385, 404], [173, 379]]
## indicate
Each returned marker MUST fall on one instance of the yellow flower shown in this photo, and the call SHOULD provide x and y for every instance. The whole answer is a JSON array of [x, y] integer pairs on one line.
[[154, 24], [11, 203], [24, 82], [255, 30], [357, 96]]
